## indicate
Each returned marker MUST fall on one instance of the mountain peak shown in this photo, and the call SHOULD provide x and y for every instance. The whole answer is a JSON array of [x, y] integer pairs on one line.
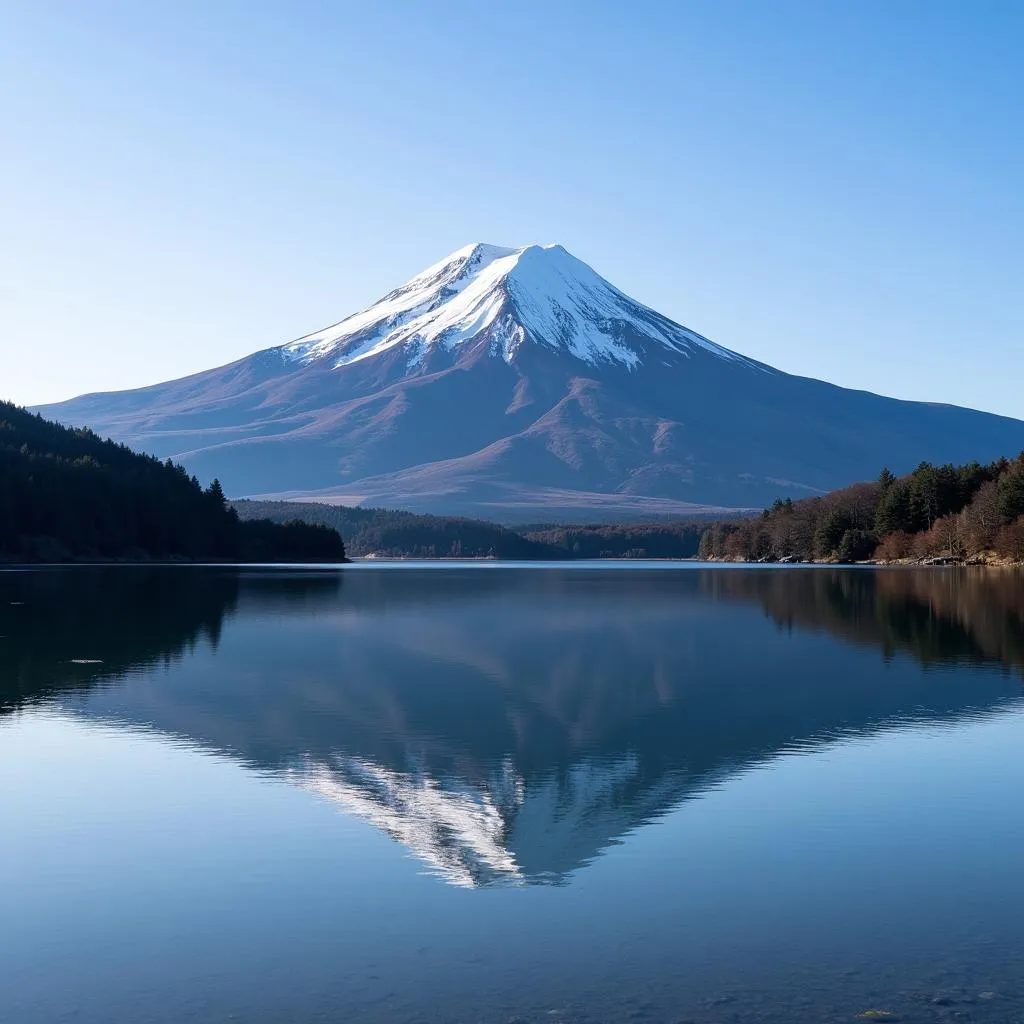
[[503, 297]]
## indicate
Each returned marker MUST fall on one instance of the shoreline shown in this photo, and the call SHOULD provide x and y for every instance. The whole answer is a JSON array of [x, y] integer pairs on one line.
[[371, 559], [154, 563], [931, 562]]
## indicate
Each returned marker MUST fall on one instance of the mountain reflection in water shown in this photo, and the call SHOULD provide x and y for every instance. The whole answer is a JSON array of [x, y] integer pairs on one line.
[[508, 725]]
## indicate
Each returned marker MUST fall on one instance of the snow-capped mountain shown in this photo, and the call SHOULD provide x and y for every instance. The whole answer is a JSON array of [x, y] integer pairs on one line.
[[517, 384]]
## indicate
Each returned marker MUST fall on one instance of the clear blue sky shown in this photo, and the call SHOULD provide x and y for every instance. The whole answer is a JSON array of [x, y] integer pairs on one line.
[[833, 188]]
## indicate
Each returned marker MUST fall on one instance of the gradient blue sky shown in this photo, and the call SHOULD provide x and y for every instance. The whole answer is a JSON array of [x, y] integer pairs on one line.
[[833, 188]]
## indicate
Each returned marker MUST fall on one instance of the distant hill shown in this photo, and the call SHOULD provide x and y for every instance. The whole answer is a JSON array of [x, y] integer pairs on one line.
[[397, 534], [518, 384], [67, 494], [679, 539]]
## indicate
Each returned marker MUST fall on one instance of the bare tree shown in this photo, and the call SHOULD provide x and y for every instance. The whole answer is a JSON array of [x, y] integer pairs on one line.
[[1009, 541], [981, 519]]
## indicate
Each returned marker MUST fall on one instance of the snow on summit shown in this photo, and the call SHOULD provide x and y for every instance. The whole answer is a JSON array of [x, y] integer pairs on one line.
[[507, 297]]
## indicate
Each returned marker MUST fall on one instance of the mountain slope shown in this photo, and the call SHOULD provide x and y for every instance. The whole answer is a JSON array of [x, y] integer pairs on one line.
[[517, 383]]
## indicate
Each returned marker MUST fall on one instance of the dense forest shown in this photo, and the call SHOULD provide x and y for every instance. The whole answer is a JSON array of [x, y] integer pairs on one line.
[[971, 512], [624, 540], [66, 494], [393, 534]]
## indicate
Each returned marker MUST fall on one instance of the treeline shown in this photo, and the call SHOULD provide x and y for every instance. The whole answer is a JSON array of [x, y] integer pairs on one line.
[[954, 512], [623, 540], [67, 494], [394, 534]]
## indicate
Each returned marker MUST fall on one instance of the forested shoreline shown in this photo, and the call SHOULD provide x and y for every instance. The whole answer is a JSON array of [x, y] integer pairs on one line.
[[934, 514], [972, 513], [68, 495]]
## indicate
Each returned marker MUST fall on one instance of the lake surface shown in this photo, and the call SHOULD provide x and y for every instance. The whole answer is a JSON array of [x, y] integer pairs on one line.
[[491, 794]]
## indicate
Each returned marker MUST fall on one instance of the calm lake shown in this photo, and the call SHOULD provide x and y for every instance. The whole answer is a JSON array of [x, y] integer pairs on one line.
[[477, 793]]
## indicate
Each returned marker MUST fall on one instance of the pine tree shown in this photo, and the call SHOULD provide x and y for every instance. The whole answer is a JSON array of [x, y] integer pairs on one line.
[[894, 513], [216, 494], [1011, 495]]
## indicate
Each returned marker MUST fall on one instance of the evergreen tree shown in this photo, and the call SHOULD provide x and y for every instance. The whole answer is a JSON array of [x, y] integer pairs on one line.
[[893, 513], [856, 546], [1011, 495], [924, 497], [829, 533]]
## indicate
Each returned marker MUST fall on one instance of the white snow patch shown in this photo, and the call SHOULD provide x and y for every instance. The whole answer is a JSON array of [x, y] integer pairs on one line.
[[540, 293]]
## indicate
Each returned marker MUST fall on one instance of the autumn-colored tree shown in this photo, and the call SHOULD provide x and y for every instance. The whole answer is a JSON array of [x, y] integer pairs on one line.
[[1009, 542], [947, 536], [895, 546], [982, 518], [737, 546]]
